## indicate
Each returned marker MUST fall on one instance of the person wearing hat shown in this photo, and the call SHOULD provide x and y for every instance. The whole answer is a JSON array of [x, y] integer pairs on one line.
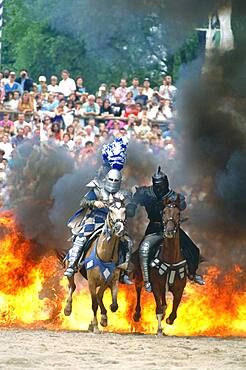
[[42, 83], [12, 85], [147, 89]]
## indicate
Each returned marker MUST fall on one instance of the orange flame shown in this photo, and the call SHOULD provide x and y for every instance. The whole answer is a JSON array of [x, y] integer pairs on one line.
[[33, 295]]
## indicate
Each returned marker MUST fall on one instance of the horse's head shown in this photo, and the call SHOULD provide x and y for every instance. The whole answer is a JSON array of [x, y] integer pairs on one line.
[[117, 214], [171, 219]]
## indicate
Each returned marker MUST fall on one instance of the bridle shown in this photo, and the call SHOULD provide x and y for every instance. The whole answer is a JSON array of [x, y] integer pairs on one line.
[[112, 222], [171, 219]]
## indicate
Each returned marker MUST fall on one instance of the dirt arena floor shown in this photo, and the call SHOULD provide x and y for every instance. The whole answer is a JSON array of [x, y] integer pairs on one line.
[[26, 349]]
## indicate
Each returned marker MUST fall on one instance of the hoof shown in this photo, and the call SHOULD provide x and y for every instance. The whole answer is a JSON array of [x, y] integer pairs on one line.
[[104, 321], [114, 307], [169, 321], [136, 317], [96, 330], [160, 333], [68, 310], [90, 328]]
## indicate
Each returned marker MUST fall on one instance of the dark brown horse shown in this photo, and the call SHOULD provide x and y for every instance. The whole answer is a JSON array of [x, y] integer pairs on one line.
[[167, 269]]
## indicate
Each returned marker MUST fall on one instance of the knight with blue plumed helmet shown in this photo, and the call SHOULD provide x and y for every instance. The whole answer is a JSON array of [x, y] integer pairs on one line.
[[90, 218]]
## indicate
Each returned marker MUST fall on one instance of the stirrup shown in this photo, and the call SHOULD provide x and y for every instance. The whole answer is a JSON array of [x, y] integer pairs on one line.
[[70, 271], [148, 287], [199, 280], [126, 280]]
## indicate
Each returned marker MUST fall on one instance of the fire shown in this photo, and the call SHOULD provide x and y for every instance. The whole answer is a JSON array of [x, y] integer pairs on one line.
[[33, 295]]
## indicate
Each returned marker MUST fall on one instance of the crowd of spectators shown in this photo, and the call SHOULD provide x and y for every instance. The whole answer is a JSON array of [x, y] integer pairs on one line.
[[61, 110]]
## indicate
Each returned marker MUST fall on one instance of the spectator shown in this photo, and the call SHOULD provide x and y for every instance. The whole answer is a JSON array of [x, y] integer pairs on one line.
[[90, 108], [12, 85], [121, 91], [67, 85], [5, 76], [129, 97], [6, 146], [111, 95], [18, 138], [106, 110], [80, 89], [50, 104], [9, 102], [141, 98], [42, 84], [92, 124], [144, 128], [131, 109], [7, 123], [102, 92], [20, 123], [26, 104], [24, 80], [167, 90], [56, 132], [53, 87], [118, 108], [147, 89], [71, 131], [134, 87], [67, 142]]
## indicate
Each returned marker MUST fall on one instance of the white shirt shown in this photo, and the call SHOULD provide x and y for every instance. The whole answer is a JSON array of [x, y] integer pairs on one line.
[[17, 124], [168, 92], [67, 86], [53, 89], [148, 92], [7, 147]]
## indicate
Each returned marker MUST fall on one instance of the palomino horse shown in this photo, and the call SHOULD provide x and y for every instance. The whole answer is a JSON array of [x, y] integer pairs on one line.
[[100, 263], [167, 269]]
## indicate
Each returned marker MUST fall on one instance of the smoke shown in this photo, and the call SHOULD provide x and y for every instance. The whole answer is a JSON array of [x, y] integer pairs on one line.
[[213, 114], [35, 173], [105, 24]]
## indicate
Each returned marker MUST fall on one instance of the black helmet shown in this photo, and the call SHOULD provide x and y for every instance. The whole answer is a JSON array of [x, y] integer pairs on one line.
[[160, 183]]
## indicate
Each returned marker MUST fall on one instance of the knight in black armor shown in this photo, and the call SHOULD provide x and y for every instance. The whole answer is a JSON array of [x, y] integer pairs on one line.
[[152, 197]]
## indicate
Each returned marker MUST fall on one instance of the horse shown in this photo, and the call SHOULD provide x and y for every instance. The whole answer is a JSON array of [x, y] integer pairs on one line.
[[167, 269], [100, 262]]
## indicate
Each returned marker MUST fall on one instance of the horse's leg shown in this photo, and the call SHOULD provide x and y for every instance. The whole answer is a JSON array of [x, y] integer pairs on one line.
[[158, 294], [114, 292], [94, 324], [137, 314], [72, 287], [104, 318], [163, 298], [177, 291]]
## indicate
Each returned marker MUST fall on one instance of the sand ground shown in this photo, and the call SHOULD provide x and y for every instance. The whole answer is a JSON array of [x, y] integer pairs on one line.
[[26, 349]]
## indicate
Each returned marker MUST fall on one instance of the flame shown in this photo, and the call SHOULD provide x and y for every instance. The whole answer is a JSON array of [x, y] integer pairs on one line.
[[33, 295]]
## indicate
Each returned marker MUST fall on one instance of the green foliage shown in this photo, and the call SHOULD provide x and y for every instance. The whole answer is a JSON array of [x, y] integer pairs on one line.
[[46, 37], [32, 44]]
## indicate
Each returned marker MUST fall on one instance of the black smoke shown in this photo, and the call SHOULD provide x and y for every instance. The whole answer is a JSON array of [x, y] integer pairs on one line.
[[212, 110]]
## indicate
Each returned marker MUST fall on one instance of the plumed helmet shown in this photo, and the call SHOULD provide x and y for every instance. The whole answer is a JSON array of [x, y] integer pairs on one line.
[[160, 183], [113, 181]]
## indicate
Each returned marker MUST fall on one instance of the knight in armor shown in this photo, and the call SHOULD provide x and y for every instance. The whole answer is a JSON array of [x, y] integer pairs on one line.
[[152, 197], [93, 212]]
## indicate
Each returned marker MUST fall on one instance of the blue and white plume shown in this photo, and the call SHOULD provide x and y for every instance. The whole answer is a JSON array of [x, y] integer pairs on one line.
[[114, 154]]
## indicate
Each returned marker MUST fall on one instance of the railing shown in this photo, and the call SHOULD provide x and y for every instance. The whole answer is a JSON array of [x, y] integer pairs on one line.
[[14, 115]]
